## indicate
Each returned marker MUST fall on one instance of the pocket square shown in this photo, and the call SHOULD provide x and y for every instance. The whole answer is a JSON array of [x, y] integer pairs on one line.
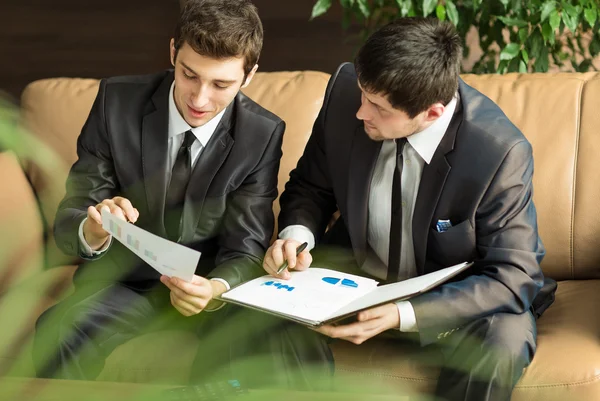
[[443, 225]]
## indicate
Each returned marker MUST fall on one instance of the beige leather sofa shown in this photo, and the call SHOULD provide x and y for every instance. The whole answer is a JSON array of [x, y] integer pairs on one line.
[[559, 113]]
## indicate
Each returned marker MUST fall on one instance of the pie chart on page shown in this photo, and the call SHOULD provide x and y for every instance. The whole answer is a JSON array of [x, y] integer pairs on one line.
[[342, 282]]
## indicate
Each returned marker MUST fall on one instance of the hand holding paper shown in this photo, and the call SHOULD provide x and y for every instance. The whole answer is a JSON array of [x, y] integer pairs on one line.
[[167, 257], [193, 297]]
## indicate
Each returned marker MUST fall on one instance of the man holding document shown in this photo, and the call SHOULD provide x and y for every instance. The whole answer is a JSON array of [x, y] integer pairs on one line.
[[185, 156], [426, 173]]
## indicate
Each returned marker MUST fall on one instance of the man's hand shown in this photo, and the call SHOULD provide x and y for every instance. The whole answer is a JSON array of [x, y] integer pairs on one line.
[[370, 323], [192, 298], [118, 206], [283, 250]]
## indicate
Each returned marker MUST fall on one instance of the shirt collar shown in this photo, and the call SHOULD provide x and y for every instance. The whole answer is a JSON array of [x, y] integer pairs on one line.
[[426, 142], [177, 125]]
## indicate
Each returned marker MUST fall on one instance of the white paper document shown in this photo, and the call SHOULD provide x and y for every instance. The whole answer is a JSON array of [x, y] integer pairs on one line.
[[317, 296], [167, 257]]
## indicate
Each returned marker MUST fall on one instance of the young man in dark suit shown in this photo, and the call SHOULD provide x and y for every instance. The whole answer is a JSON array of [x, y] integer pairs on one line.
[[426, 173], [182, 154]]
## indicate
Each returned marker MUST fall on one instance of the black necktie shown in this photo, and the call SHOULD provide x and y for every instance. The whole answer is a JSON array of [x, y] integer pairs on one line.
[[180, 176], [396, 225]]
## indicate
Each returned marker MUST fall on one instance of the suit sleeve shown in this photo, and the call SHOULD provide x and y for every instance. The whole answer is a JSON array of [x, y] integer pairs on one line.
[[506, 276], [308, 199], [249, 221], [91, 179]]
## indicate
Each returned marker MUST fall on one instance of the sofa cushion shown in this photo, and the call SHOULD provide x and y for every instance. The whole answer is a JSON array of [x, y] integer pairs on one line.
[[546, 108], [586, 219], [21, 253], [566, 365]]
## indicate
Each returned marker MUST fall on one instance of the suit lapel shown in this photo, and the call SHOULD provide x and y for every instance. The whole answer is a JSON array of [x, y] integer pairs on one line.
[[431, 186], [363, 157], [207, 165], [155, 144]]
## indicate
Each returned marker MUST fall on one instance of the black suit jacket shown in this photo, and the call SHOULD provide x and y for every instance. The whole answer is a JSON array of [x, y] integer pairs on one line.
[[480, 178], [122, 150]]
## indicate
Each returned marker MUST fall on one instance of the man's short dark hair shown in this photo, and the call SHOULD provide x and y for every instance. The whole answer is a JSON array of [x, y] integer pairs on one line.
[[415, 62], [221, 29]]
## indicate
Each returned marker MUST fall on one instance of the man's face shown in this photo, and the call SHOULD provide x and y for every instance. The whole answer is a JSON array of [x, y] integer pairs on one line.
[[382, 121], [204, 86]]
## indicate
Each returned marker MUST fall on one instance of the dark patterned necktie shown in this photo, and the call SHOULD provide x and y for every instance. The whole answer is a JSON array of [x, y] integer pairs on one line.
[[396, 224], [180, 176]]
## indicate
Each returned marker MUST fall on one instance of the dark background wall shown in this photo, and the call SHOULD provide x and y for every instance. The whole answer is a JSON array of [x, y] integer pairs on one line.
[[95, 39]]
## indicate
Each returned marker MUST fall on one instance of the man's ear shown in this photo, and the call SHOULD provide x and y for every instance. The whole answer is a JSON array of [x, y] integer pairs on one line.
[[434, 112], [250, 76], [172, 51]]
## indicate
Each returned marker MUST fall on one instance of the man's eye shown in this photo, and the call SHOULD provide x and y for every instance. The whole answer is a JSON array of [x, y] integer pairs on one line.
[[188, 76], [221, 86]]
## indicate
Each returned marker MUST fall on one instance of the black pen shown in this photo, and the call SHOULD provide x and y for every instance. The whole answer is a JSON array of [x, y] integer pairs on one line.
[[298, 251]]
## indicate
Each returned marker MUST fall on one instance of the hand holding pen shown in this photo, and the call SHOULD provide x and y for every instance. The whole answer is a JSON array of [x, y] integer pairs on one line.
[[286, 255]]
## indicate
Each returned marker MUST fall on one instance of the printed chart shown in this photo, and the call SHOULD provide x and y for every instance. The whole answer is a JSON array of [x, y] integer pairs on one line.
[[166, 257]]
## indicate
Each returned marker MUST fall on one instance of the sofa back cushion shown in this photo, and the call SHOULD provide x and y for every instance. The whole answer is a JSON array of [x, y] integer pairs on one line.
[[21, 235], [547, 109], [551, 110]]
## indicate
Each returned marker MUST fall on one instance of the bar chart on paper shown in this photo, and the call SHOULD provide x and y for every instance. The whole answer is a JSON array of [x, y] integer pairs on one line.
[[166, 257]]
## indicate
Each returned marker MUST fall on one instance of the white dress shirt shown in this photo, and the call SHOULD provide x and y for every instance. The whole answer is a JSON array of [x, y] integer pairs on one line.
[[177, 129], [418, 151]]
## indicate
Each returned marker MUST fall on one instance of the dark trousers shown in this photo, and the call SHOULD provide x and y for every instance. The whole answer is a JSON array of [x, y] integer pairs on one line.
[[482, 361], [74, 338]]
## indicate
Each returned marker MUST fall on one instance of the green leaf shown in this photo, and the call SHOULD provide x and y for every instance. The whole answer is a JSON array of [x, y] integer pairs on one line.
[[585, 65], [510, 51], [513, 65], [452, 12], [537, 44], [523, 34], [541, 63], [591, 14], [514, 22], [504, 3], [502, 66], [320, 8], [570, 9], [404, 6], [347, 3], [525, 56], [440, 11], [363, 6], [547, 32], [547, 8], [570, 22], [522, 67], [428, 7], [554, 20]]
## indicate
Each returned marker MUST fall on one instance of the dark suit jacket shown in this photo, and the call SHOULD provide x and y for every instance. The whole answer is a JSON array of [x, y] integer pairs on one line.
[[122, 150], [479, 178]]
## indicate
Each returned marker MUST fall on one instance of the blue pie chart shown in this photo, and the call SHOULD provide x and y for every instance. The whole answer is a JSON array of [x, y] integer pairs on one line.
[[345, 282]]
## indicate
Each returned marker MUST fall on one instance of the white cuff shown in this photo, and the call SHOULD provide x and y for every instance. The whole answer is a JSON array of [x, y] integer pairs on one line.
[[226, 284], [299, 233], [85, 248], [408, 320]]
